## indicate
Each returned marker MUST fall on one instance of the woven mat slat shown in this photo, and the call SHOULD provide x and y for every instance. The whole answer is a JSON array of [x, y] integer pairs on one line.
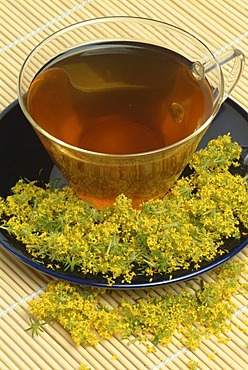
[[17, 270], [23, 25], [13, 360]]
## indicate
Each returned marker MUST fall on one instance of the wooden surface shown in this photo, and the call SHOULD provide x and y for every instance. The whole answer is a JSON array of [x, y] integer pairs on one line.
[[24, 24]]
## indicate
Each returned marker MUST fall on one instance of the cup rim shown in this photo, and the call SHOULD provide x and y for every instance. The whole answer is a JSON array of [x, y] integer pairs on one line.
[[118, 18]]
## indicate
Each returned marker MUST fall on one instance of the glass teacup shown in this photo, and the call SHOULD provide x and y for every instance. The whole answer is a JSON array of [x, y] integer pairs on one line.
[[156, 155]]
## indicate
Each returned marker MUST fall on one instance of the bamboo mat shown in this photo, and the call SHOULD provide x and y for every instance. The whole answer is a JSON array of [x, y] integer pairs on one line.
[[23, 25]]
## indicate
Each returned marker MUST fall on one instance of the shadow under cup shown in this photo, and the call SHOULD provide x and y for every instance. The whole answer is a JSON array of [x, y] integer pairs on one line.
[[100, 177]]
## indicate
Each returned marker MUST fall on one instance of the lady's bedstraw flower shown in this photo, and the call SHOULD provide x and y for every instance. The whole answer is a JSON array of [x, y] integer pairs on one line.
[[192, 311], [188, 226]]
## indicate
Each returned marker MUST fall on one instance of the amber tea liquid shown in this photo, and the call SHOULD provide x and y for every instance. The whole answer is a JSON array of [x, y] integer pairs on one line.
[[126, 100], [119, 98]]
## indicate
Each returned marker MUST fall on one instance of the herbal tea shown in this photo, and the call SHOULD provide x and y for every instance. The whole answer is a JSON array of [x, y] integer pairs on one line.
[[119, 98]]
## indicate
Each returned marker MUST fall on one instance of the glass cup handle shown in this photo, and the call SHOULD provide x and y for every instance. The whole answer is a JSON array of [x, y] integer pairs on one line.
[[223, 58]]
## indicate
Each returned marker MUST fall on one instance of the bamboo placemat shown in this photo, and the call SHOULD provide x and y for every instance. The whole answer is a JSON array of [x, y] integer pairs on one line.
[[23, 25]]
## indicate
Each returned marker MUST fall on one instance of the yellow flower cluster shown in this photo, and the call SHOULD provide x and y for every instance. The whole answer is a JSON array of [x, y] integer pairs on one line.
[[193, 311], [84, 367], [188, 226]]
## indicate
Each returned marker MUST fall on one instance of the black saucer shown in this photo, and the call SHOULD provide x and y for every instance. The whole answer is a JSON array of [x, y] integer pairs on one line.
[[23, 156]]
